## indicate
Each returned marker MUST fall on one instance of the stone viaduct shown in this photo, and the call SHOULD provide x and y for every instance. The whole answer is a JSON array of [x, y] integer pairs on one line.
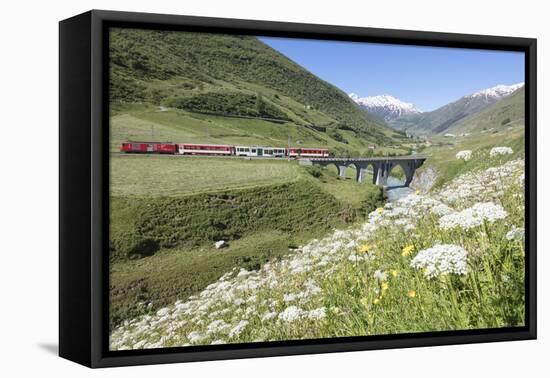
[[381, 166]]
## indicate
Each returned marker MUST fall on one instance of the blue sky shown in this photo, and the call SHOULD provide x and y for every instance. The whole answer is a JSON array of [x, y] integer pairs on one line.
[[428, 77]]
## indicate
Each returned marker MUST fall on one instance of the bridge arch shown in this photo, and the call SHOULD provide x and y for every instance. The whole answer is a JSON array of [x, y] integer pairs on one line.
[[407, 169], [397, 171]]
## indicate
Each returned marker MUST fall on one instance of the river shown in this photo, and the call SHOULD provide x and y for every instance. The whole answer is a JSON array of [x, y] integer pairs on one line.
[[396, 189]]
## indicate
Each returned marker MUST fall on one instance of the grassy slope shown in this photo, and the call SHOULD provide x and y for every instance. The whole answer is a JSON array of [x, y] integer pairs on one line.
[[142, 122], [178, 227], [441, 119], [506, 113], [465, 115], [356, 298], [500, 124], [442, 155], [197, 71]]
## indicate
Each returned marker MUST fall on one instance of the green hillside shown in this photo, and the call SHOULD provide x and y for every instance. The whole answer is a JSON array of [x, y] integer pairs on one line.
[[242, 81], [448, 118], [506, 113], [166, 214]]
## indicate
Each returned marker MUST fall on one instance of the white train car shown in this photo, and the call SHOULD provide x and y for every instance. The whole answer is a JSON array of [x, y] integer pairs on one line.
[[204, 149], [259, 151]]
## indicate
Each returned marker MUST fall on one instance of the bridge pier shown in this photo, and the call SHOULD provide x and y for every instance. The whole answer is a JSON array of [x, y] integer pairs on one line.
[[361, 173], [383, 173], [409, 172], [342, 170]]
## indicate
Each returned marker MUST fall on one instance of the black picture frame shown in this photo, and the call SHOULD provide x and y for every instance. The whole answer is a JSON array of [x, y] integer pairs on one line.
[[83, 181]]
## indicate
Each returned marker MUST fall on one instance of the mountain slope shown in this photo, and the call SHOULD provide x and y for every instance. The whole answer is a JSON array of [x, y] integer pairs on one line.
[[385, 107], [445, 118], [508, 112], [230, 75]]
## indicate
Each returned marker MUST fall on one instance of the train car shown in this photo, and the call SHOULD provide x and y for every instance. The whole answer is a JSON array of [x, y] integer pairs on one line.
[[164, 148], [148, 147], [314, 152], [258, 151], [205, 149], [274, 151], [297, 152], [293, 152]]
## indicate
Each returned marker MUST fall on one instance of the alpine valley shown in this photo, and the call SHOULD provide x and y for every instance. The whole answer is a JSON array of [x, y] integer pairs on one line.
[[207, 247], [472, 113]]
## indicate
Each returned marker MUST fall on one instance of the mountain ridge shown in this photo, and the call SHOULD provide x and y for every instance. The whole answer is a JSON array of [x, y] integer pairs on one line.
[[386, 106], [446, 117], [234, 75]]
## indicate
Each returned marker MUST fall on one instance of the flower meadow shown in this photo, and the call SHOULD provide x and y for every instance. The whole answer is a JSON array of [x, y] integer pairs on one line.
[[449, 260]]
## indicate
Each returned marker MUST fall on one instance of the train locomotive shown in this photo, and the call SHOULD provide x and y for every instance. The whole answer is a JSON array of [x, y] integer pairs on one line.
[[221, 150]]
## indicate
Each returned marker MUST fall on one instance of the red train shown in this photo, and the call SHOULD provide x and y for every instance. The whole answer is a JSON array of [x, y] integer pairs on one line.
[[204, 149], [220, 150], [148, 147]]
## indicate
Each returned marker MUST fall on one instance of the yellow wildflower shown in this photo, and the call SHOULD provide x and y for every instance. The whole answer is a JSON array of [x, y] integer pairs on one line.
[[380, 210], [412, 294], [417, 192], [394, 273], [407, 250], [385, 286], [365, 248], [376, 301]]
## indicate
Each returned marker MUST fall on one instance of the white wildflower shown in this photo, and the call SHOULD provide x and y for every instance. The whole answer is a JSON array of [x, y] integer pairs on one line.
[[195, 336], [473, 216], [464, 155], [291, 314], [139, 344], [217, 326], [289, 297], [516, 233], [380, 275], [318, 313], [521, 180], [269, 315], [441, 209], [495, 151], [243, 273], [311, 287], [163, 312], [238, 301], [236, 331], [441, 259]]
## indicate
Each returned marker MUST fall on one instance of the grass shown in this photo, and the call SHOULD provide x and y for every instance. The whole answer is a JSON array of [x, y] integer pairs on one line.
[[230, 75], [165, 175], [173, 274], [349, 294], [481, 299], [441, 156], [166, 215], [146, 122]]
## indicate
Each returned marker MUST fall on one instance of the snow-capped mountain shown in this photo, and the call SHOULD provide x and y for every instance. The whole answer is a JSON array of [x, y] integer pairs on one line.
[[497, 92], [385, 106], [449, 116]]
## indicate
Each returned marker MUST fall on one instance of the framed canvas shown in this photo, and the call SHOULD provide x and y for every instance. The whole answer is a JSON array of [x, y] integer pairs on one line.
[[235, 188]]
